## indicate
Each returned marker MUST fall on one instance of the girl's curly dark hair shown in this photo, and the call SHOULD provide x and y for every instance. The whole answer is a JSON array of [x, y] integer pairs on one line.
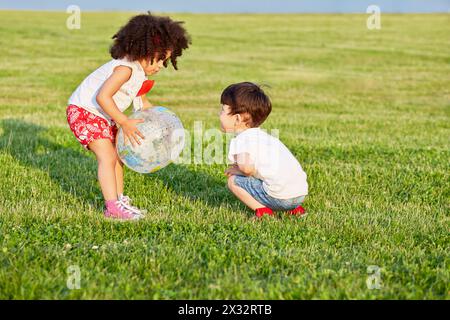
[[147, 37]]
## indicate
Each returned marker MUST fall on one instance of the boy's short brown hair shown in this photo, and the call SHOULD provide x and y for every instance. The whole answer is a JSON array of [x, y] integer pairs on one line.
[[247, 98]]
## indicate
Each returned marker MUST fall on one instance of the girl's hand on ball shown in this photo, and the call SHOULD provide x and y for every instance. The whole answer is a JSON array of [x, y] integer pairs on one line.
[[131, 132]]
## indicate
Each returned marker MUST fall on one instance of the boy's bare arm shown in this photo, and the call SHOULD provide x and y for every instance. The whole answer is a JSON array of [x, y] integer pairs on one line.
[[245, 164]]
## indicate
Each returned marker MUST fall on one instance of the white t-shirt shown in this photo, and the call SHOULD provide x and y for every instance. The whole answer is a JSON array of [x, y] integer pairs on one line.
[[85, 96], [281, 173]]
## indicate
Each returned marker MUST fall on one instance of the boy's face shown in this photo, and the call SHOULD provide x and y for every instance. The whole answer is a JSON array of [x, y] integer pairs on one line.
[[231, 122], [227, 121], [155, 66]]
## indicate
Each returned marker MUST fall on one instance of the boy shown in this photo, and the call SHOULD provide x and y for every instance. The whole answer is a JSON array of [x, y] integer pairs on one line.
[[265, 175]]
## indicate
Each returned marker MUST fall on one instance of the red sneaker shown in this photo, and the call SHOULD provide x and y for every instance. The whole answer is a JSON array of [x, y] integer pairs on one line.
[[299, 211], [262, 211]]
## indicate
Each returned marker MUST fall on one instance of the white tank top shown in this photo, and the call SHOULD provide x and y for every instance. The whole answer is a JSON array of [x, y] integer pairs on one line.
[[85, 96]]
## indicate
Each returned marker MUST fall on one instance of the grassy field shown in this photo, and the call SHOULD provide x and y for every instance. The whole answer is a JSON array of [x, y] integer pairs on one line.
[[366, 112]]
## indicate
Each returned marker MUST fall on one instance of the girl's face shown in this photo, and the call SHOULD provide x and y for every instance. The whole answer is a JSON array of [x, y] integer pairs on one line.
[[155, 66]]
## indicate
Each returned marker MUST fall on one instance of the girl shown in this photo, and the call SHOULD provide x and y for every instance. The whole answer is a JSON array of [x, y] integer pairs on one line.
[[141, 48]]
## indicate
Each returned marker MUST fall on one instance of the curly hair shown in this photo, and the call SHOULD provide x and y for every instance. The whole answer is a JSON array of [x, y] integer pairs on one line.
[[147, 36]]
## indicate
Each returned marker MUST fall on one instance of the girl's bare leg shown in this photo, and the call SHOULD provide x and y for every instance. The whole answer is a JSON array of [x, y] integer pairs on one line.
[[107, 158], [119, 176]]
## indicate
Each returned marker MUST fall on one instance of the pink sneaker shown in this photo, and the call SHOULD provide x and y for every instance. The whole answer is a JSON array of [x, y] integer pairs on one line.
[[116, 210], [126, 201]]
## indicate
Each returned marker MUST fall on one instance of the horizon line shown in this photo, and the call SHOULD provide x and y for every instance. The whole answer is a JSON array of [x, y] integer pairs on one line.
[[227, 12]]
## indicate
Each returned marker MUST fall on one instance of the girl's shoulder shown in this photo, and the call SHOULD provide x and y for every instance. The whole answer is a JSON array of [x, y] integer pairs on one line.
[[124, 62], [136, 69], [109, 66]]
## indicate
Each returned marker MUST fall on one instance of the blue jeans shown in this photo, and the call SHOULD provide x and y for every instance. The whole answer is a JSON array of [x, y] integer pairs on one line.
[[255, 188]]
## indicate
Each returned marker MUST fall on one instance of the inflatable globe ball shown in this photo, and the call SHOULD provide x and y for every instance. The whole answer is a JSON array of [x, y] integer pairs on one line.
[[163, 143]]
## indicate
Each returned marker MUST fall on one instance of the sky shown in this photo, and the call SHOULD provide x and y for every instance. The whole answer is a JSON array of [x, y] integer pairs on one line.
[[235, 6]]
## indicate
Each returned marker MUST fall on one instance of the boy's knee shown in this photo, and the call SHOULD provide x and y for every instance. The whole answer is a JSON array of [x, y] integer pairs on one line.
[[230, 183]]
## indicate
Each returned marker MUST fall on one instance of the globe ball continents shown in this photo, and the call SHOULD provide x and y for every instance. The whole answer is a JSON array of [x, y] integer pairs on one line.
[[163, 143]]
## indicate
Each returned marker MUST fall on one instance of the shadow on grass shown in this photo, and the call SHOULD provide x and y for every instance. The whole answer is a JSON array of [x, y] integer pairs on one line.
[[76, 171], [197, 185]]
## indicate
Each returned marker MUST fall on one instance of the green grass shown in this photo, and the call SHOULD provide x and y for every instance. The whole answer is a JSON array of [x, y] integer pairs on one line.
[[365, 112]]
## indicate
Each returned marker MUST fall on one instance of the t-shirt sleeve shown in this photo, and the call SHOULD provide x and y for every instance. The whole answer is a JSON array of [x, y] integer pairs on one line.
[[243, 145]]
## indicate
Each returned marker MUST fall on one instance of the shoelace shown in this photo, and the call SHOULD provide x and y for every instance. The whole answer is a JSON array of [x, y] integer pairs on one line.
[[122, 207], [127, 201]]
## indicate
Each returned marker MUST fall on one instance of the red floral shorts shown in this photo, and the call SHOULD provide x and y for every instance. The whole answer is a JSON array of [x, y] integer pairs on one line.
[[88, 127]]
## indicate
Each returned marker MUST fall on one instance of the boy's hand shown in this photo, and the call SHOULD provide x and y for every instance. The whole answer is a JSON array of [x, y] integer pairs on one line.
[[233, 170], [131, 132]]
